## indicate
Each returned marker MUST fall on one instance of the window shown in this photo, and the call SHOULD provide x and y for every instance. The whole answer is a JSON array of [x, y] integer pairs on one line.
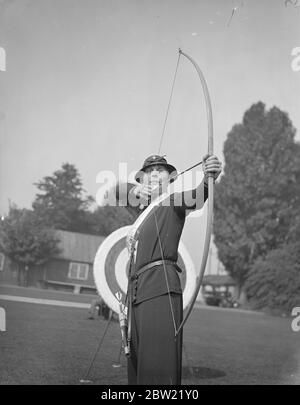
[[2, 257], [78, 271]]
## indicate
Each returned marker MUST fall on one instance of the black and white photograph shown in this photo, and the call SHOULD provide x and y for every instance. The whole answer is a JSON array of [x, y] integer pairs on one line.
[[149, 195]]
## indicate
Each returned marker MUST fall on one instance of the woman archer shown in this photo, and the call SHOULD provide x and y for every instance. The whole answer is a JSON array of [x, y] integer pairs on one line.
[[155, 305]]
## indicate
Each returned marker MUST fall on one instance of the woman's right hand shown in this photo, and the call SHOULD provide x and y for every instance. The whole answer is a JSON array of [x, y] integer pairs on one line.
[[143, 191]]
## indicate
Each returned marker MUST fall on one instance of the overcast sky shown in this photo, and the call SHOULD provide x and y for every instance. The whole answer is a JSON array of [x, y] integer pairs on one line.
[[87, 81]]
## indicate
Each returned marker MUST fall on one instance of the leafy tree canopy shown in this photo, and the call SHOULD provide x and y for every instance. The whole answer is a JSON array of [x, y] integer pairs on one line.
[[25, 239], [274, 280], [257, 205], [62, 203]]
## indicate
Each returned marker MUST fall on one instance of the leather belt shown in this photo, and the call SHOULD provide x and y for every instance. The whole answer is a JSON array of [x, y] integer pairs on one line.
[[154, 264]]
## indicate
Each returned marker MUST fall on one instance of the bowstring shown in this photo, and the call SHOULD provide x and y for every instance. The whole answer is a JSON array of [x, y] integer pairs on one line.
[[169, 104], [166, 276], [155, 217]]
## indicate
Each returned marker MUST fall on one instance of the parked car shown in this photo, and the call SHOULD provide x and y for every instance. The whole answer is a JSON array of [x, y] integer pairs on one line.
[[220, 299]]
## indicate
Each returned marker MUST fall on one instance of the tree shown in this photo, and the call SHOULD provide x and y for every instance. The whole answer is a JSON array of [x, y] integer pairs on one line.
[[258, 197], [26, 240], [105, 220], [62, 203], [274, 280]]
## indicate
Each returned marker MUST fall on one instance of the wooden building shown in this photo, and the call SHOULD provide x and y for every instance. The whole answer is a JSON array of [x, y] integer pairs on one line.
[[71, 270]]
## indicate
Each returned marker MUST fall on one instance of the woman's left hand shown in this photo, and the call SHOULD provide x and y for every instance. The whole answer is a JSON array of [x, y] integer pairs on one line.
[[211, 165]]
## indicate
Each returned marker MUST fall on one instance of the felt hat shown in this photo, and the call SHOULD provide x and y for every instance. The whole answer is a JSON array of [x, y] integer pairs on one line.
[[155, 160]]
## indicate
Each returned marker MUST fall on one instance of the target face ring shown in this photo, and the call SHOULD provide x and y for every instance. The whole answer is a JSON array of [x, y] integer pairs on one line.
[[111, 268]]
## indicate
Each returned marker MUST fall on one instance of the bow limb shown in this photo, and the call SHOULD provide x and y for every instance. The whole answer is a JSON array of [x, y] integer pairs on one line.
[[210, 191]]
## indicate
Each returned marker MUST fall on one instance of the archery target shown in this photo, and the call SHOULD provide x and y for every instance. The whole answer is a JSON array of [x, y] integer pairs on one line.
[[111, 268]]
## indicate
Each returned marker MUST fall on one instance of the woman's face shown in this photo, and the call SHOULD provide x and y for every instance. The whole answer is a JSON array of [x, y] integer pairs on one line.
[[156, 175]]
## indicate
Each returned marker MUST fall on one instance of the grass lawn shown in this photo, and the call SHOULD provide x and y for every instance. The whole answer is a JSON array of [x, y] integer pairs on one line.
[[54, 345]]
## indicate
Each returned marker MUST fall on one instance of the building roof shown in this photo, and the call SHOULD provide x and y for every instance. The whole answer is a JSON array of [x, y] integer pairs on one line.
[[218, 280], [78, 247]]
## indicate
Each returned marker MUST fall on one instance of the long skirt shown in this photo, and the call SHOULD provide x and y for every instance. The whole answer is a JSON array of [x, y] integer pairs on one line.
[[156, 355]]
